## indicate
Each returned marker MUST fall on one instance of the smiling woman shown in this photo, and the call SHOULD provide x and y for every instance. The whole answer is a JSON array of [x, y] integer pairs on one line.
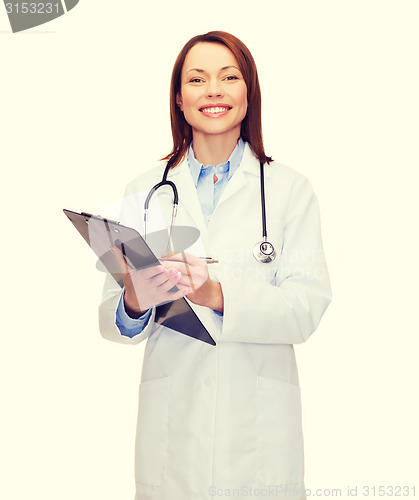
[[213, 99], [219, 70], [224, 417]]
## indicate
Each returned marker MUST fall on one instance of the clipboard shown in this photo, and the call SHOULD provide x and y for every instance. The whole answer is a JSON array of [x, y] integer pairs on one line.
[[100, 233]]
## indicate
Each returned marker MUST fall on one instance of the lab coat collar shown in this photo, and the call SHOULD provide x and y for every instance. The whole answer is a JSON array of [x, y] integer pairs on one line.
[[188, 196], [248, 164]]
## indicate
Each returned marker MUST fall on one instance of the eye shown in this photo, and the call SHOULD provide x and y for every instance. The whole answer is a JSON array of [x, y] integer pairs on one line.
[[195, 80], [231, 78]]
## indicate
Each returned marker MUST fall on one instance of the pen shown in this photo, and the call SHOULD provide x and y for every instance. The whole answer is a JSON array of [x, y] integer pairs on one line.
[[208, 260]]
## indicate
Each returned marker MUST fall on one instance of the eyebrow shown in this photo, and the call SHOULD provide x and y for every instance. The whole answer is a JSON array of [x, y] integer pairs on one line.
[[203, 71]]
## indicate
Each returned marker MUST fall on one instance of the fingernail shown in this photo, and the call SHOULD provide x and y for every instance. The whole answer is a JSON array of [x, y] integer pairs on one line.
[[111, 249]]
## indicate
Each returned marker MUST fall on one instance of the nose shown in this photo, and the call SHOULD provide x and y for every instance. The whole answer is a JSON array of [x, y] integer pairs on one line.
[[214, 89], [214, 93]]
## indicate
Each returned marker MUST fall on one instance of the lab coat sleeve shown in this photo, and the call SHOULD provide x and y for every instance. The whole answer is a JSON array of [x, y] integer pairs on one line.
[[129, 326], [107, 315], [112, 292], [289, 308]]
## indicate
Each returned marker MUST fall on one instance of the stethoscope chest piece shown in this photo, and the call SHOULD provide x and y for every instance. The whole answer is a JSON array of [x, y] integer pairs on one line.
[[264, 252]]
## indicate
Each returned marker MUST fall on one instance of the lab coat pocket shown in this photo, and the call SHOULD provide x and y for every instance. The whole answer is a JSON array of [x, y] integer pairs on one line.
[[152, 432], [279, 432]]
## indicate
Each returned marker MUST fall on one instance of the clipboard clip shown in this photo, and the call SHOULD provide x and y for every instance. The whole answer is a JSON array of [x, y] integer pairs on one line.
[[86, 214]]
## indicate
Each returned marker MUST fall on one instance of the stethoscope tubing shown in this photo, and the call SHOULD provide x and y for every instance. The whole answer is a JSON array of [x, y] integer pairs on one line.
[[263, 251], [263, 204]]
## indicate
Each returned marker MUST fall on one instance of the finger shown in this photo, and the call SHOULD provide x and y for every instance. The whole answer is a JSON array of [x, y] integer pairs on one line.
[[166, 275], [123, 266], [186, 258], [193, 260], [187, 281], [180, 267], [177, 295], [172, 256], [170, 283], [186, 269], [182, 256], [152, 271], [173, 265]]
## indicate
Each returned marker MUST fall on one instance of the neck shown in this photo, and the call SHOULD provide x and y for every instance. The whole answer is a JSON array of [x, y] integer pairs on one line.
[[214, 149]]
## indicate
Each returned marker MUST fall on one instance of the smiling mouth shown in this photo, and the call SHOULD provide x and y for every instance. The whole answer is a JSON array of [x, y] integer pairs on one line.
[[215, 110]]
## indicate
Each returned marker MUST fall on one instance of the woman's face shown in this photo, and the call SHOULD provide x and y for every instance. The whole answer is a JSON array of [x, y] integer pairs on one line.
[[213, 95]]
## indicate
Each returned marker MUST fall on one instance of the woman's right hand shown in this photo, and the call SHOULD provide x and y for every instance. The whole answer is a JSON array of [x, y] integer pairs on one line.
[[148, 287]]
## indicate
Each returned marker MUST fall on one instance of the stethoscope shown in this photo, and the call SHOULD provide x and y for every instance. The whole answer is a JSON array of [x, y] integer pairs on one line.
[[263, 251]]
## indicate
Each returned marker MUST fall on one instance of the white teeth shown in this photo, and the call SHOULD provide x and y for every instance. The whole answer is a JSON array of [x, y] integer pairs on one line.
[[214, 110]]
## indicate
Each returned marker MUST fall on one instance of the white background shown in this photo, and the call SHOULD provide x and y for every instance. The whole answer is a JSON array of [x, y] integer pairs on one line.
[[84, 109]]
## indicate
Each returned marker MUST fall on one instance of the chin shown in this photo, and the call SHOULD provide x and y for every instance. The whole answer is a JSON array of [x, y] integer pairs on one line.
[[216, 129]]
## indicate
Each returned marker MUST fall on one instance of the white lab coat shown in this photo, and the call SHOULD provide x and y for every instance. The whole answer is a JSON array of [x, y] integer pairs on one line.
[[226, 420]]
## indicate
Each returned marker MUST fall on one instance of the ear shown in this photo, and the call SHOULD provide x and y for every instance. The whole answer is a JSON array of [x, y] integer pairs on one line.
[[179, 101]]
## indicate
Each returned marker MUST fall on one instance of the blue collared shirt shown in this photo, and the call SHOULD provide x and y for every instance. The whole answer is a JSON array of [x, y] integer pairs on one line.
[[208, 193]]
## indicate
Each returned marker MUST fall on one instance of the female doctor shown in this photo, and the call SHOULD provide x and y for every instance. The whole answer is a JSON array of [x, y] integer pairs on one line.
[[221, 420]]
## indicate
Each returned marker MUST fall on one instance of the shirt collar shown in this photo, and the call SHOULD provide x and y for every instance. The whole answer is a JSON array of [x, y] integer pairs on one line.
[[232, 163]]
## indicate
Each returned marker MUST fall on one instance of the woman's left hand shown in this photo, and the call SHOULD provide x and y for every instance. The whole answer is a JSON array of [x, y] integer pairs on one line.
[[203, 290]]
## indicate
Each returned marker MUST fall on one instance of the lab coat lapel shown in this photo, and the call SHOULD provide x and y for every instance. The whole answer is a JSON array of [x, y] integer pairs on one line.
[[189, 202], [190, 213], [248, 168]]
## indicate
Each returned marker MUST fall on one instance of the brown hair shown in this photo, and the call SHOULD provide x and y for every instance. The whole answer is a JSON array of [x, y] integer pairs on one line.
[[251, 126]]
